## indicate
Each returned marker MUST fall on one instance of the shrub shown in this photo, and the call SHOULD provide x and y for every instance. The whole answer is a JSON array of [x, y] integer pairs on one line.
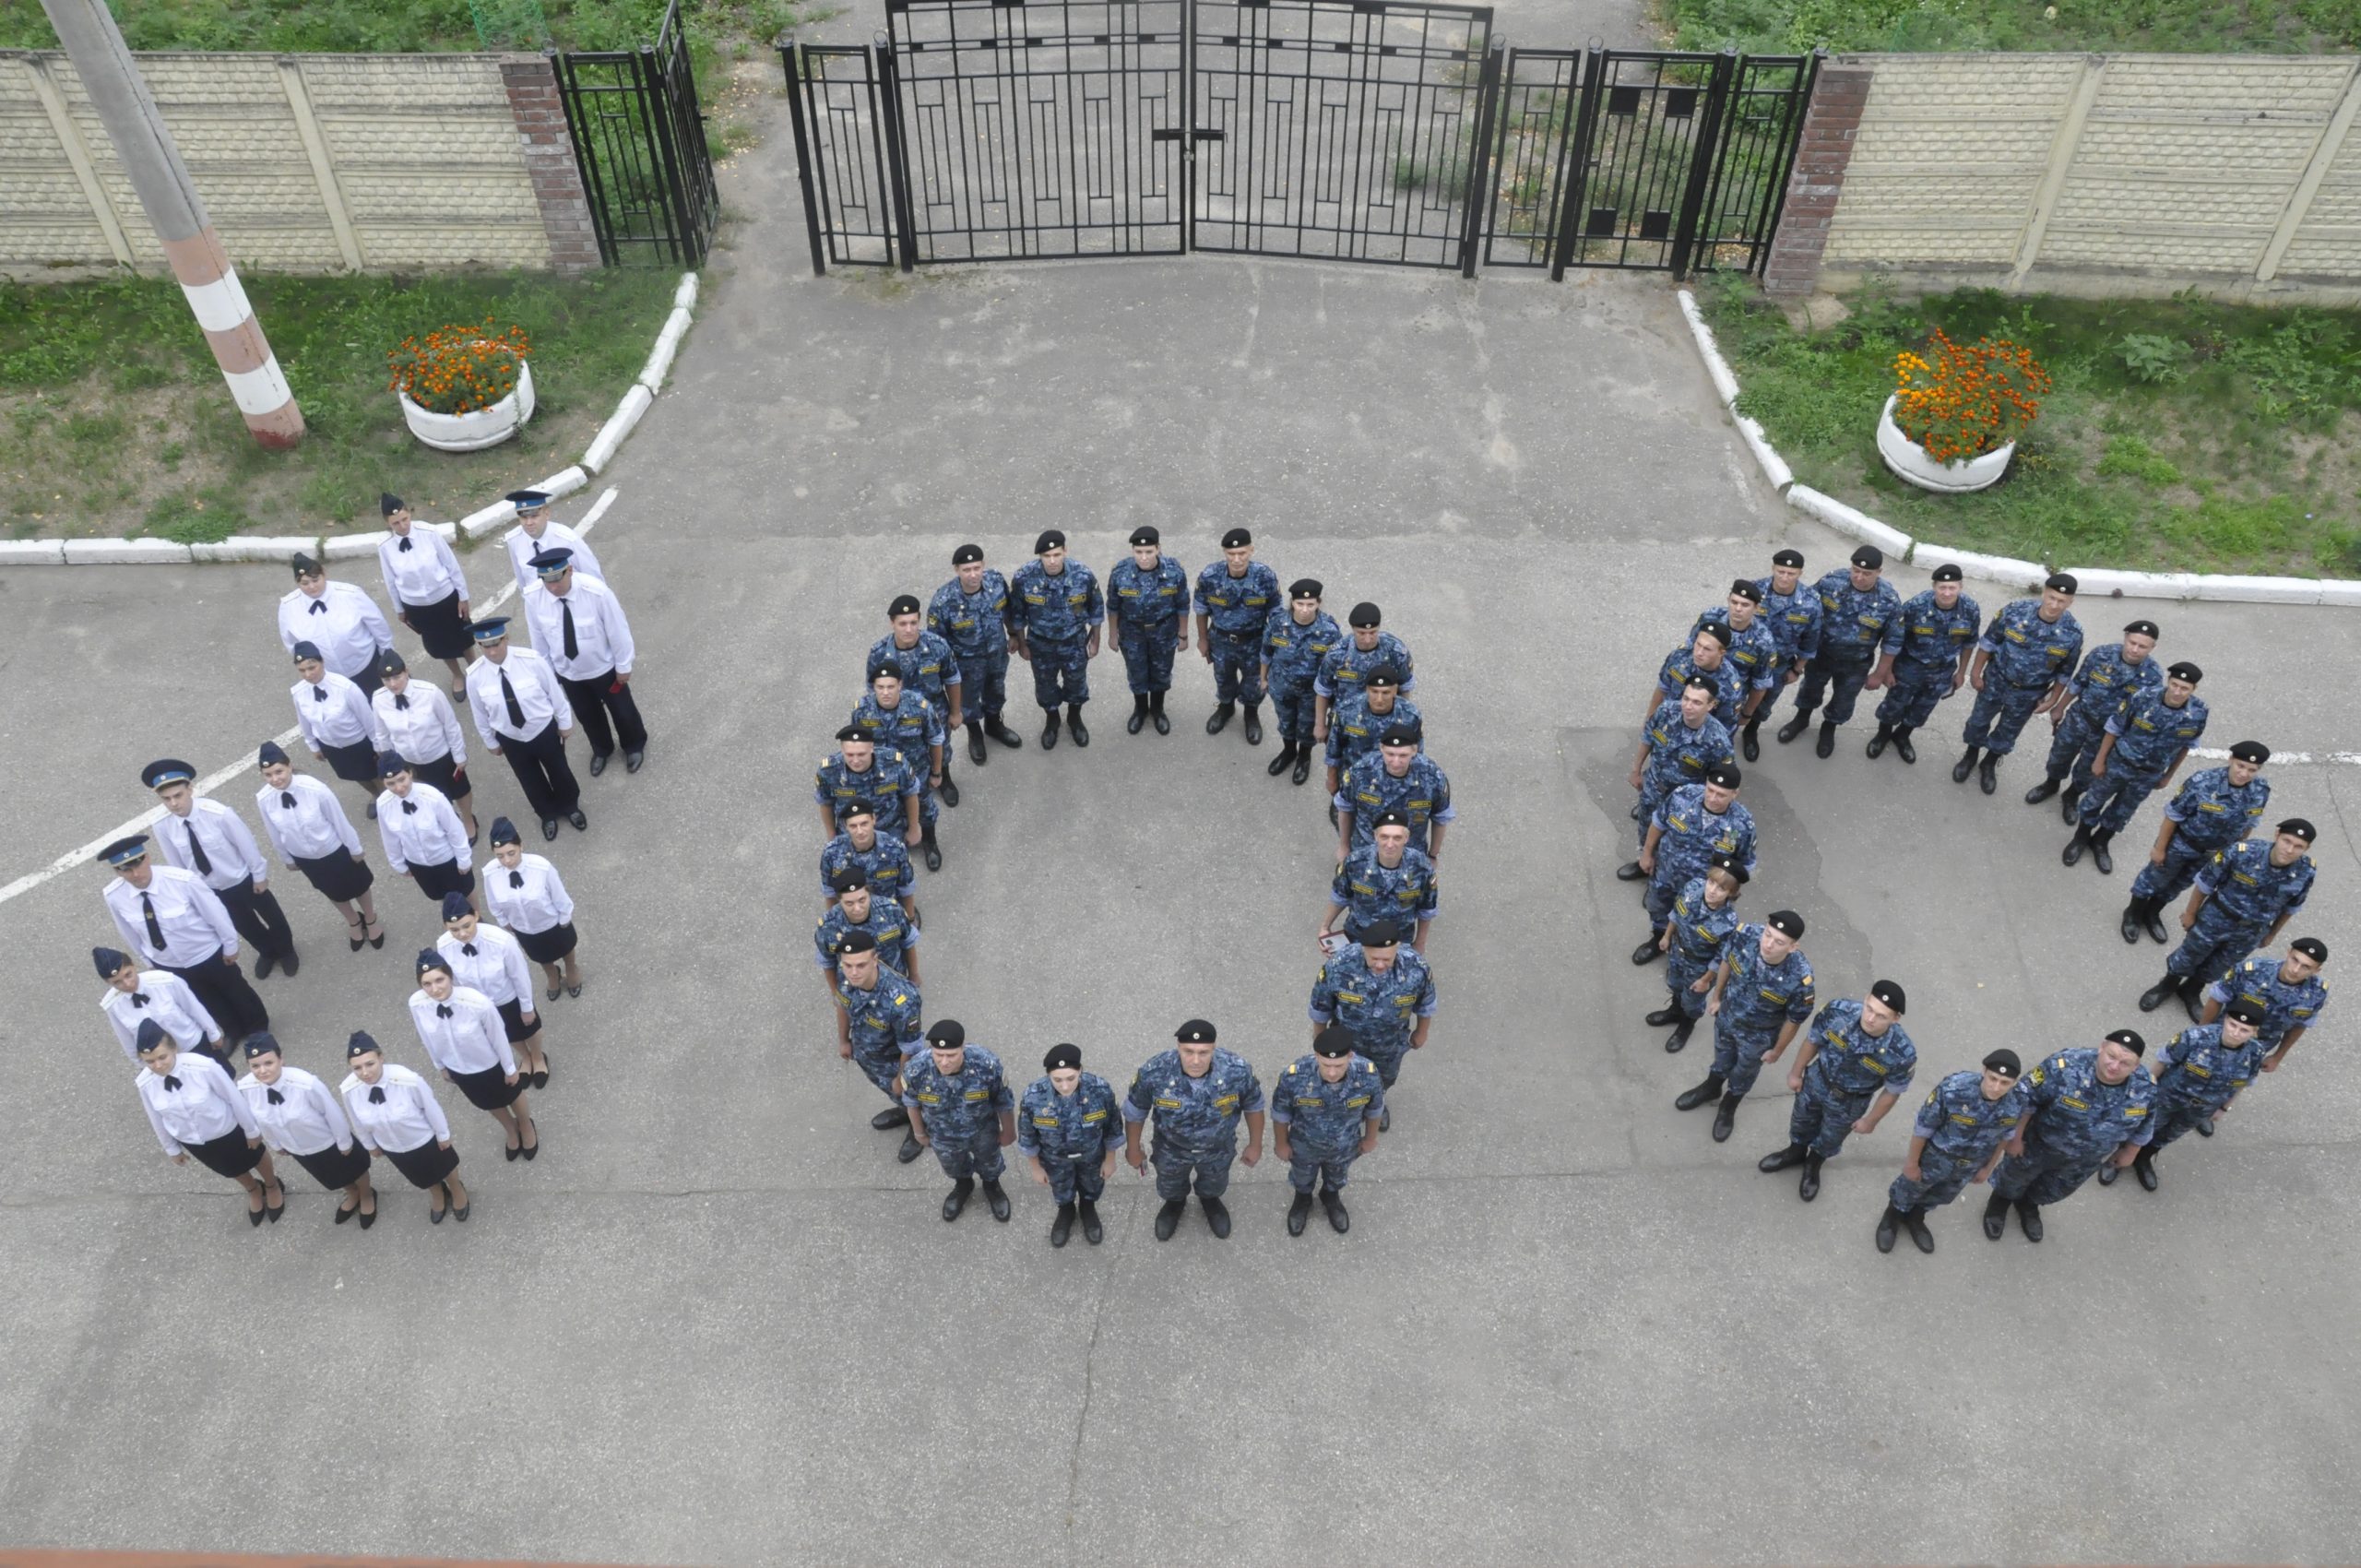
[[458, 370], [1966, 401]]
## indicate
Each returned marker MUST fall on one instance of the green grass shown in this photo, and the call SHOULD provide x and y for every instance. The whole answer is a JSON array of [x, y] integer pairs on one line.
[[1781, 27], [2179, 435], [113, 419]]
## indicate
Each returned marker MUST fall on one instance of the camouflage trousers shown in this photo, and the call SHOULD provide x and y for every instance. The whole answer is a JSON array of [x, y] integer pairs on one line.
[[1823, 1116], [1942, 1178], [2045, 1174], [1329, 1166], [1076, 1176], [1739, 1049], [1176, 1169]]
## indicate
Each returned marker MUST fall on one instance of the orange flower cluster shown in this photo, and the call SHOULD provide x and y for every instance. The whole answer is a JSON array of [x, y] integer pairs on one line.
[[458, 370], [1966, 401]]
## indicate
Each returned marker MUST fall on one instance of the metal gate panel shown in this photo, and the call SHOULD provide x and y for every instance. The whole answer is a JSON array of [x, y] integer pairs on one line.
[[840, 154], [1762, 125], [1040, 128], [1540, 99], [1651, 123], [1339, 128]]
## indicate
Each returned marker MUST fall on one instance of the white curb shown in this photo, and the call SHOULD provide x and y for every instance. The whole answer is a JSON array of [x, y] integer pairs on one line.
[[565, 482], [618, 424], [33, 552], [1993, 568], [668, 343], [499, 515], [256, 547], [685, 296], [352, 546], [125, 553]]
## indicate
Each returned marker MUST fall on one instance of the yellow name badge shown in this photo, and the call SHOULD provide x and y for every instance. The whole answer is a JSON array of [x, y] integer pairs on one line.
[[1226, 1103], [1090, 1116], [1307, 1102], [979, 1094], [1356, 1102], [1164, 1104], [930, 1099], [1046, 1121]]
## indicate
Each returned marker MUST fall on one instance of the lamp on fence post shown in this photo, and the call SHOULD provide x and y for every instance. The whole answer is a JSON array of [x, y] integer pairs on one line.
[[141, 139]]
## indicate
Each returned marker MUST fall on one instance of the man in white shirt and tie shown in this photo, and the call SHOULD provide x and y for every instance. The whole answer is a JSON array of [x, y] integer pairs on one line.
[[521, 712], [578, 627], [206, 836], [340, 619], [173, 921], [534, 533]]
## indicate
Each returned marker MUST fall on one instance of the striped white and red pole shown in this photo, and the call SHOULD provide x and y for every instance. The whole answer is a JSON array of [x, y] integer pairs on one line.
[[141, 139]]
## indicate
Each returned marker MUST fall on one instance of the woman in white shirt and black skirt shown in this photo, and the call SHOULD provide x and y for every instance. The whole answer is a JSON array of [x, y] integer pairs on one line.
[[417, 723], [197, 1111], [464, 1034], [429, 590], [394, 1113], [487, 959], [309, 829], [300, 1116], [424, 841], [523, 894]]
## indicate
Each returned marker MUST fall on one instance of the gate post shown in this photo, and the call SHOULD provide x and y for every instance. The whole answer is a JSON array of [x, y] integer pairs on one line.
[[898, 168], [655, 102], [1703, 159], [791, 58], [1577, 182], [1480, 160]]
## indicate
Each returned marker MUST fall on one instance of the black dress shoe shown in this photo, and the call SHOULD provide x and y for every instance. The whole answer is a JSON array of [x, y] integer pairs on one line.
[[2029, 1219], [373, 811], [1163, 725], [1167, 1219], [957, 1197], [1889, 1227], [892, 1117], [1915, 1220], [1299, 1213], [1385, 1121], [1792, 1155], [1808, 1187], [631, 761], [597, 764], [1338, 1220], [1703, 1094], [1646, 952], [996, 1198], [2099, 855], [1750, 743], [460, 1211], [511, 1152], [1996, 1218], [2043, 790], [1966, 766], [265, 965], [1050, 734], [1904, 749], [1254, 727], [289, 964], [344, 1214], [2205, 1128], [909, 1150], [2153, 997], [2109, 1172], [1004, 735], [580, 822], [975, 752], [1062, 1228], [368, 1217], [253, 1218], [1303, 764], [2072, 854], [1725, 1117], [1985, 779], [1796, 725], [1216, 1215], [1827, 746], [1135, 723], [1630, 871], [1220, 718], [2130, 925], [950, 794], [549, 827], [1076, 726], [1281, 763], [1092, 1231]]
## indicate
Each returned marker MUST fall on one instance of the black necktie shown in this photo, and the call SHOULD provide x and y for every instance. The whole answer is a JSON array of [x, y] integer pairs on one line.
[[172, 1082], [287, 799], [442, 1009], [469, 949], [401, 702], [377, 1095], [572, 648], [155, 931], [197, 851], [139, 998], [319, 607], [410, 808], [274, 1097], [516, 710], [405, 541], [515, 879], [320, 692]]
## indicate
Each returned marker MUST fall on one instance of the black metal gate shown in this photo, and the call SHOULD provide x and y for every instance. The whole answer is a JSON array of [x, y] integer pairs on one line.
[[1389, 131], [639, 142]]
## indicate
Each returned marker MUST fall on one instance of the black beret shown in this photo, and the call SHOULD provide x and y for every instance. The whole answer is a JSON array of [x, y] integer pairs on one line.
[[884, 668], [966, 553], [2300, 828], [1699, 682], [1398, 735], [1334, 1041], [1746, 588], [851, 879], [1787, 923], [2185, 671], [1381, 933], [1390, 818], [946, 1034], [1787, 558], [1196, 1031], [2129, 1040], [857, 941], [1062, 1056], [2004, 1061], [2146, 628], [1050, 539], [1146, 535], [856, 808], [2247, 1010], [1364, 614], [852, 732], [1306, 587], [1868, 558], [1236, 539], [1890, 995], [1383, 675], [2251, 751], [1948, 573], [905, 604], [1722, 859], [2311, 948], [1726, 774], [1717, 630], [2063, 582]]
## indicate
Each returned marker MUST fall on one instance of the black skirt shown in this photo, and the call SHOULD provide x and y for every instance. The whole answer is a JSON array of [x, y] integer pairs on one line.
[[229, 1154], [438, 626], [489, 1089], [443, 774], [333, 1168], [337, 876], [443, 876], [426, 1164], [546, 946], [512, 1019], [367, 678], [355, 764]]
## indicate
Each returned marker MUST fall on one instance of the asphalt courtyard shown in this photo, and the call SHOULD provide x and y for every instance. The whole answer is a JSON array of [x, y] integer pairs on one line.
[[716, 1323]]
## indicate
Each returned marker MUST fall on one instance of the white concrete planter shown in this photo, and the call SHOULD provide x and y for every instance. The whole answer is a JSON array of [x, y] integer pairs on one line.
[[473, 433], [1909, 460]]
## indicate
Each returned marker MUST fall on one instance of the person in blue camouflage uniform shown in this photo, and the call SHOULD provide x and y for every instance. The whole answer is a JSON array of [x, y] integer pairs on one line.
[[1861, 631], [2289, 990], [1939, 631], [1147, 598], [970, 612], [1330, 1107], [1791, 609], [1055, 612], [2212, 810], [1753, 649], [1704, 915], [1386, 881], [883, 920], [2200, 1074], [2022, 663], [960, 1106], [1762, 995], [1295, 640], [894, 715], [2084, 1107], [1356, 721], [881, 858], [1956, 1140], [1690, 825], [1706, 656], [1682, 742], [2111, 674], [1367, 647], [863, 770], [927, 666], [1235, 598], [1196, 1094], [2243, 899], [1383, 992], [2143, 747], [877, 1028], [1070, 1127], [1398, 776], [1856, 1061]]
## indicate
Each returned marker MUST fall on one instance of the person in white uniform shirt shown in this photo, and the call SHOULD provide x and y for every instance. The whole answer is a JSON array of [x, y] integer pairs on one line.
[[309, 829], [196, 1110], [429, 590], [525, 894], [300, 1116], [486, 958], [332, 716], [535, 533], [521, 712], [135, 996], [424, 838], [340, 618], [206, 836], [578, 627], [418, 724], [172, 921], [460, 1028], [394, 1113]]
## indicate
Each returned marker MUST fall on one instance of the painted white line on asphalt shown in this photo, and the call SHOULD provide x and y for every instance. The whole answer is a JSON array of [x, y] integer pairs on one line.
[[222, 776], [2211, 754]]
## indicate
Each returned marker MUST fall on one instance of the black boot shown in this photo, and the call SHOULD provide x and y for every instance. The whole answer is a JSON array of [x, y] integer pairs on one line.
[[1074, 725], [1338, 1220], [1062, 1228], [1986, 774], [2072, 853], [1630, 871], [1155, 713], [2045, 788], [1902, 746], [2192, 997], [1966, 766], [1996, 1218], [911, 1148], [1915, 1219], [976, 752], [1769, 1163], [1220, 718], [1138, 719], [997, 1197], [2099, 856], [1167, 1219], [1285, 760], [1827, 746], [1878, 741], [1092, 1231], [2143, 1165], [1303, 762], [1750, 738], [1299, 1213], [2070, 804], [1001, 732], [1725, 1117], [1680, 1033], [950, 791], [1216, 1215], [887, 1119], [1795, 726], [2129, 925], [1048, 729], [1709, 1090], [1808, 1187], [929, 847], [2152, 915], [1253, 724], [1666, 1016], [2153, 997], [2029, 1218], [959, 1198], [1889, 1225], [1648, 952]]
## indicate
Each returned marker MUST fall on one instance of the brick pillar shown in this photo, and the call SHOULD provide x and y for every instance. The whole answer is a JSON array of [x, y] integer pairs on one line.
[[549, 159], [1818, 178]]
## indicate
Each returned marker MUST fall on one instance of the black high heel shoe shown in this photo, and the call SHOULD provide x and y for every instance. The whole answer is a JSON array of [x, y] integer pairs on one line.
[[362, 926]]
